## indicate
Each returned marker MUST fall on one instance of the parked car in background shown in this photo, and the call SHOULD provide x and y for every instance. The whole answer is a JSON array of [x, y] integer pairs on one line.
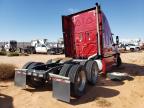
[[43, 46], [132, 47]]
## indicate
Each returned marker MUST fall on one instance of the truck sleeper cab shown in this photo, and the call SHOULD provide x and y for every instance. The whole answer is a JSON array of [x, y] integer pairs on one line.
[[88, 49], [87, 33]]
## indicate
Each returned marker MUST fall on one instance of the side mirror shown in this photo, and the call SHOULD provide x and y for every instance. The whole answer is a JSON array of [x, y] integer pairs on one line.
[[117, 40]]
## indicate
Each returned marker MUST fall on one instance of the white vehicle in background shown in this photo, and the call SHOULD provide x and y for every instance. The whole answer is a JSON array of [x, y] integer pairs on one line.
[[132, 47], [41, 48], [38, 41], [7, 46], [40, 45]]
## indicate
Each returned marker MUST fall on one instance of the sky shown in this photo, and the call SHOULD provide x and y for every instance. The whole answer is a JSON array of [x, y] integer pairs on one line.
[[25, 20]]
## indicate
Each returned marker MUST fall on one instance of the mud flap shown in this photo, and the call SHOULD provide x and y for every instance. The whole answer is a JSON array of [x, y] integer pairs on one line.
[[20, 78], [61, 87]]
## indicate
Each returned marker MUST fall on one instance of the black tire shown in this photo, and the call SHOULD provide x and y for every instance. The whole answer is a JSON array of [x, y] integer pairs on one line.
[[26, 66], [34, 64], [65, 70], [119, 61], [92, 72], [78, 80], [132, 49], [137, 49]]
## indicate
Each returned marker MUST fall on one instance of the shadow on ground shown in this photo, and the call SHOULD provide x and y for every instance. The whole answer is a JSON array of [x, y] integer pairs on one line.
[[131, 69], [6, 101], [94, 93], [46, 87]]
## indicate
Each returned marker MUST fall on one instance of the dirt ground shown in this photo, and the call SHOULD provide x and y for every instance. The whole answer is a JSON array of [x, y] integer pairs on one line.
[[19, 61], [106, 94]]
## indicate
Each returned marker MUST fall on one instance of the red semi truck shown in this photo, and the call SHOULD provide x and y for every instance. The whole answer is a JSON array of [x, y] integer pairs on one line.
[[89, 50]]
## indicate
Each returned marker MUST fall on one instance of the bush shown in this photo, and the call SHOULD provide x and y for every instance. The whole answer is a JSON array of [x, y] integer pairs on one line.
[[13, 54], [3, 53], [7, 71]]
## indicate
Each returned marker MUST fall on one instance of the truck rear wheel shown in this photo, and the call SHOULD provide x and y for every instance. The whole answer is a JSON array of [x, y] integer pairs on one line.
[[92, 72], [34, 64], [77, 77], [65, 70], [27, 65]]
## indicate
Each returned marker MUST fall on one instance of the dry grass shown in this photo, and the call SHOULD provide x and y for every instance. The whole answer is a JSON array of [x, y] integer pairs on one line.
[[7, 71], [2, 53], [103, 103], [10, 54]]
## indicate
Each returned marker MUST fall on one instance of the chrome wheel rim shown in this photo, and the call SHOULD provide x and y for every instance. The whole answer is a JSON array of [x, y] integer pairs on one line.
[[81, 80]]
